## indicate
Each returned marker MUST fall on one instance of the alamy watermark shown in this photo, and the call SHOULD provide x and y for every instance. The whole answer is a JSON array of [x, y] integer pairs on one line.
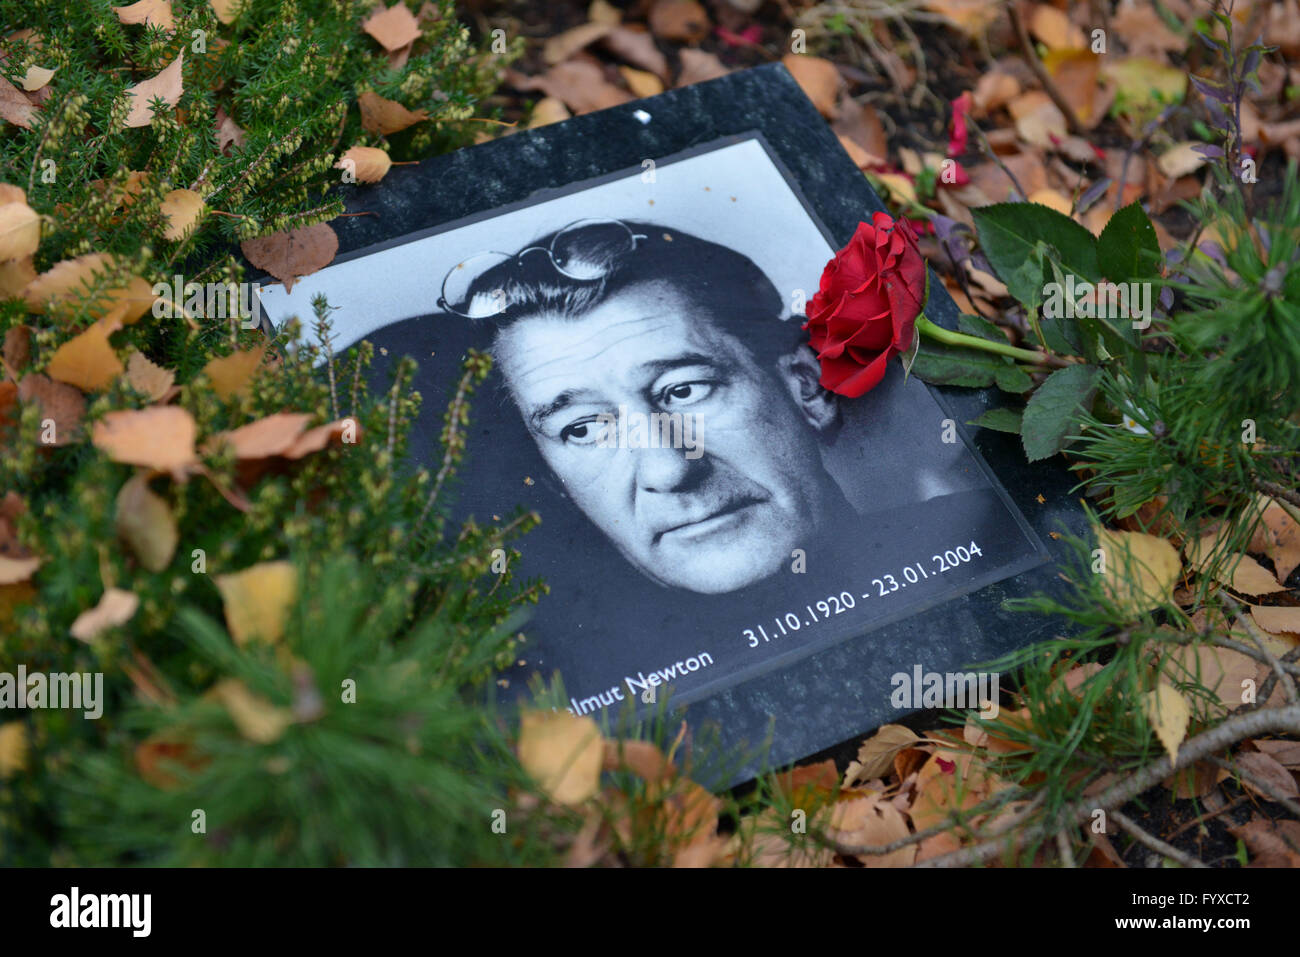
[[1105, 300], [211, 300], [78, 691], [949, 689], [653, 430]]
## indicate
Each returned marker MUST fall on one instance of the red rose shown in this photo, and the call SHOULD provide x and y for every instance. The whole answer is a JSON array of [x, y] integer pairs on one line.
[[865, 310]]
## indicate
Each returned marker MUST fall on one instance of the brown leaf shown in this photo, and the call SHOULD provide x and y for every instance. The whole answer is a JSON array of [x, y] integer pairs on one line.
[[972, 17], [155, 12], [1144, 31], [160, 437], [368, 164], [266, 437], [290, 255], [1270, 844], [1181, 159], [1276, 618], [231, 374], [638, 48], [15, 106], [1282, 541], [167, 84], [116, 607], [182, 209], [167, 748], [257, 600], [18, 348], [57, 401], [347, 431], [229, 133], [872, 822], [146, 377], [564, 45], [145, 522], [15, 275], [394, 28], [819, 80], [993, 90], [642, 758], [861, 124], [87, 360], [683, 21], [877, 753], [580, 83], [1285, 753], [382, 116], [226, 10], [1269, 771], [699, 67], [1221, 670], [1075, 73]]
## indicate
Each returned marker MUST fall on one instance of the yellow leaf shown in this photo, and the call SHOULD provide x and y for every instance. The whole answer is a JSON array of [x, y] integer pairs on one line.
[[1181, 159], [1248, 576], [145, 522], [231, 374], [641, 82], [160, 437], [13, 748], [1138, 571], [563, 753], [36, 77], [257, 600], [116, 606], [1055, 29], [148, 378], [20, 230], [898, 186], [1168, 714], [256, 718], [972, 17], [167, 85], [226, 10], [182, 207], [62, 289], [86, 361]]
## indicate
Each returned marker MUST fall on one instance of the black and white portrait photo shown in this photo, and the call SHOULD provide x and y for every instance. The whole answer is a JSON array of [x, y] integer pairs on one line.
[[709, 511]]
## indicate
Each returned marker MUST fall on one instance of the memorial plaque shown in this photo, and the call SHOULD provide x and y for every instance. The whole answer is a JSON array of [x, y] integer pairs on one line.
[[714, 524]]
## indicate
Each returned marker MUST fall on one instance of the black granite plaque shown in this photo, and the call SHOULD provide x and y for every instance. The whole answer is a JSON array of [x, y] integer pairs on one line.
[[714, 525]]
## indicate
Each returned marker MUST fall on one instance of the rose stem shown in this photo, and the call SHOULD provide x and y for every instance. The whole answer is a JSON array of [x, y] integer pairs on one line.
[[940, 334]]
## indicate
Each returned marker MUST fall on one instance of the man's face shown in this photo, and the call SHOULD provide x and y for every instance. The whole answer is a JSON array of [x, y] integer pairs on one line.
[[724, 516]]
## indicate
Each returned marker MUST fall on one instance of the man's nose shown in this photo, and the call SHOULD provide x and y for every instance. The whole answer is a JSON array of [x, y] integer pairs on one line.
[[667, 469]]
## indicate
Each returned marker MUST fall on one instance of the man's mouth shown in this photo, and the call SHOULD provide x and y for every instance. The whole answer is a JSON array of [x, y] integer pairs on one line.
[[711, 522]]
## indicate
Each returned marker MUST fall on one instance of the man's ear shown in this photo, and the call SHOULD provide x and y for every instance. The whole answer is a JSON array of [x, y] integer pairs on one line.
[[800, 373]]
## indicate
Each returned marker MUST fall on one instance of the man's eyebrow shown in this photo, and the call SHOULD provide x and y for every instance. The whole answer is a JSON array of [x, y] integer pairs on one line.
[[660, 366], [562, 401]]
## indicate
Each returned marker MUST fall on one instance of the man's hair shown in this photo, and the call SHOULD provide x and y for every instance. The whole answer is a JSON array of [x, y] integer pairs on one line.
[[730, 288]]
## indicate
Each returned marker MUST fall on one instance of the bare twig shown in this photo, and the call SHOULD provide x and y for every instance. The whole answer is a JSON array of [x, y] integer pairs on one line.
[[1153, 842], [1045, 78], [1259, 784], [1273, 490], [1229, 732]]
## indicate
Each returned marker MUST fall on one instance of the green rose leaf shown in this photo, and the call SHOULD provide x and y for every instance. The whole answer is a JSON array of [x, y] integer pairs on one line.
[[1128, 248], [951, 365], [1054, 409], [999, 420], [1010, 234]]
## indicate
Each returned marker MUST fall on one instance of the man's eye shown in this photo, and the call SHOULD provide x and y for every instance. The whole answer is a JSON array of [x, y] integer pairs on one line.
[[582, 432], [686, 393]]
